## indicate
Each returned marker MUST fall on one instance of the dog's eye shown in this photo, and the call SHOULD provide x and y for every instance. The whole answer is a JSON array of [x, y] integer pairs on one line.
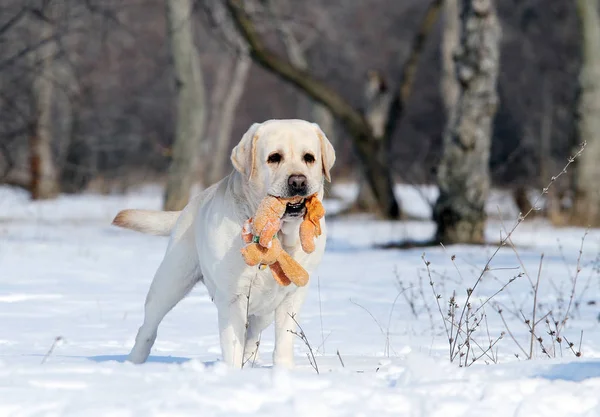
[[309, 158], [274, 158]]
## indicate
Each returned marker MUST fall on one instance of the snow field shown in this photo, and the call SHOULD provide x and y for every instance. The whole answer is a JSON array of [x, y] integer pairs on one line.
[[66, 274]]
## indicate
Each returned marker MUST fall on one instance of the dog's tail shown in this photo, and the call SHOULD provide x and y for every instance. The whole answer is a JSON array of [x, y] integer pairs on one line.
[[151, 222]]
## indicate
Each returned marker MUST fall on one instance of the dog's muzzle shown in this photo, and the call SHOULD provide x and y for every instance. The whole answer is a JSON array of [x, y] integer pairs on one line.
[[295, 209]]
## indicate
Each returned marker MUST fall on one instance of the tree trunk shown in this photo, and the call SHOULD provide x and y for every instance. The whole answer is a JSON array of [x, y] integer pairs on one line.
[[450, 39], [365, 201], [463, 174], [220, 89], [377, 175], [586, 208], [190, 104], [378, 99], [237, 84], [43, 171], [522, 200], [545, 154]]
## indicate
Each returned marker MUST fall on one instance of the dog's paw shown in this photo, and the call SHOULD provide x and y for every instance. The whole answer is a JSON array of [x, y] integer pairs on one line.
[[283, 361]]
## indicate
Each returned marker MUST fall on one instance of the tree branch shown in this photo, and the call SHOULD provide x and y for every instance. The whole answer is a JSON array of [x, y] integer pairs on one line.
[[316, 89], [13, 21], [409, 69]]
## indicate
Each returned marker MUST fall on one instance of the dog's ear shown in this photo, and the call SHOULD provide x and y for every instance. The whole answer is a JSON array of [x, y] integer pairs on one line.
[[244, 154], [327, 153]]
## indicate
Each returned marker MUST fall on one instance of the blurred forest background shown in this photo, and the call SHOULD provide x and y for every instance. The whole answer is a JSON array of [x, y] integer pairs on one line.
[[104, 95]]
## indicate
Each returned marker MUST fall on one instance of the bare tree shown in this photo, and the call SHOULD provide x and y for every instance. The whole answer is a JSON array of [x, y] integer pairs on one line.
[[43, 171], [463, 174], [190, 104], [369, 148], [586, 209]]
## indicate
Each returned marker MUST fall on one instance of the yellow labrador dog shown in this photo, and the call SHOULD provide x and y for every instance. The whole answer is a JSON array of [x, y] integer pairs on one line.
[[281, 158]]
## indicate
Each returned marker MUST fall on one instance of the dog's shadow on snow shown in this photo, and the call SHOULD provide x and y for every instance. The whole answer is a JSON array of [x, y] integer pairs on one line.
[[151, 359], [177, 360]]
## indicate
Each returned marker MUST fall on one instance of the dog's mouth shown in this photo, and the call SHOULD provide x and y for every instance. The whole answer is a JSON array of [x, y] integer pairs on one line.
[[295, 208]]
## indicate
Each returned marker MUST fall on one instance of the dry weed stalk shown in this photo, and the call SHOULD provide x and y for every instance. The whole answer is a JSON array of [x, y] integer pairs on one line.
[[247, 324], [386, 333], [460, 323], [554, 325], [340, 358], [55, 343], [310, 355]]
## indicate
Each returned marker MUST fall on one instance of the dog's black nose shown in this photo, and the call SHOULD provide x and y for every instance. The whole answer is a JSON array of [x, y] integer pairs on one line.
[[297, 184]]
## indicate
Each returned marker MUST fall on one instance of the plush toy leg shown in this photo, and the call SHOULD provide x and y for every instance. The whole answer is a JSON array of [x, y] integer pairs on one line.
[[253, 254], [268, 233], [311, 226], [307, 236], [292, 269], [279, 275]]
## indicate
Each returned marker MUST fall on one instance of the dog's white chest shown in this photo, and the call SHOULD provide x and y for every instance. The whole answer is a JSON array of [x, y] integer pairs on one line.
[[265, 293]]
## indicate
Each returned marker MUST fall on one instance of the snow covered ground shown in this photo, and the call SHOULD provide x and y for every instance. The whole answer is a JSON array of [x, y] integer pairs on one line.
[[72, 291]]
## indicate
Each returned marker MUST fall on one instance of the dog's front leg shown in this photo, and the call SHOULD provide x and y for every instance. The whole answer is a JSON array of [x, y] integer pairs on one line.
[[286, 315], [232, 328], [256, 324]]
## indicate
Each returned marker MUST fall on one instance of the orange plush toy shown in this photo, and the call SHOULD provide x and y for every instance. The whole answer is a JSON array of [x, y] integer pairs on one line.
[[311, 226], [265, 249]]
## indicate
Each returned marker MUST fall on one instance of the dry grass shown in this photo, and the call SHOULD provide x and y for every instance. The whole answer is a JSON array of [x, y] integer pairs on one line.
[[460, 322]]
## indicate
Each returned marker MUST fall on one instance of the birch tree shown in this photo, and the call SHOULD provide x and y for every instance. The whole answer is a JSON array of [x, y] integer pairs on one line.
[[463, 174], [586, 209]]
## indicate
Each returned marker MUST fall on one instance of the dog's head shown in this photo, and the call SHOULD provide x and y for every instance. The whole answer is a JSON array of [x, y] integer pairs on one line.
[[285, 158]]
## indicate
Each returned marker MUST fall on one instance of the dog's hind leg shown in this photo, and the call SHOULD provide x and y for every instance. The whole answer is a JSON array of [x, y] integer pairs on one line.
[[175, 277]]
